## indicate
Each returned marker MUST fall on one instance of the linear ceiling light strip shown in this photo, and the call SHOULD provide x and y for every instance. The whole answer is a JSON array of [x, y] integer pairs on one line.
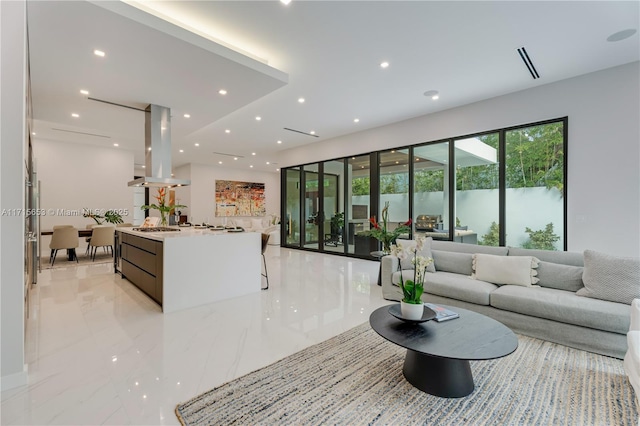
[[527, 61]]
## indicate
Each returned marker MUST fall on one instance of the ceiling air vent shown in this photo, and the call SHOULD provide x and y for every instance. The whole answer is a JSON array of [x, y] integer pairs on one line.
[[527, 61], [300, 131]]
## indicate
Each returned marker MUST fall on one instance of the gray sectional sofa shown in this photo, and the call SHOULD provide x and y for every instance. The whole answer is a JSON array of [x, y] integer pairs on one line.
[[549, 310]]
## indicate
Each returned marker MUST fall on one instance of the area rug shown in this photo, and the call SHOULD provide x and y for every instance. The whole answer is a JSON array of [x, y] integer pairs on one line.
[[62, 262], [356, 378]]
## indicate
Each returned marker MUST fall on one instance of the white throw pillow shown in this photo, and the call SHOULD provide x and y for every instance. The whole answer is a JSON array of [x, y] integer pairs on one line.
[[515, 270], [256, 223]]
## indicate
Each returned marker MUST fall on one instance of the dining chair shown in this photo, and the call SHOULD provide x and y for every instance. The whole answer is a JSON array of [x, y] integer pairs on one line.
[[102, 236], [265, 242], [64, 237], [88, 239]]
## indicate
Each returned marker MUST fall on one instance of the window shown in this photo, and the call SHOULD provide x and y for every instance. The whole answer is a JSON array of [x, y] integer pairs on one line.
[[503, 187]]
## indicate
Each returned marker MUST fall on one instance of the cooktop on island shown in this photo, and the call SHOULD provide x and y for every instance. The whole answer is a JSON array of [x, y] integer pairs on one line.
[[155, 229]]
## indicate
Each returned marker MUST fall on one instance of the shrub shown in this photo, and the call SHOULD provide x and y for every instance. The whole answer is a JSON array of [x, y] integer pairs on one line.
[[542, 239]]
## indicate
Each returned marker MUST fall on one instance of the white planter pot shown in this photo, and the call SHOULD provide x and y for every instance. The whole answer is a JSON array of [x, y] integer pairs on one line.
[[410, 311]]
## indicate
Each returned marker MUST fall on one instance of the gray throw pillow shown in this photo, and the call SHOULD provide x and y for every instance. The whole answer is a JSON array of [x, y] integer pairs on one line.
[[612, 278], [560, 277], [425, 252], [450, 261]]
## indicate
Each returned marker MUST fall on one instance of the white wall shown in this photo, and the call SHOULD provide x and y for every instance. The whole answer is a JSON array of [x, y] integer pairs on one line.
[[603, 153], [12, 96], [74, 176], [200, 195]]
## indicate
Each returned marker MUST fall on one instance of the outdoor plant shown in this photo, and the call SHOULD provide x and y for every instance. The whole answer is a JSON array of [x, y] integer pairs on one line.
[[161, 206], [492, 238], [381, 232], [337, 222], [412, 289], [542, 239], [110, 216]]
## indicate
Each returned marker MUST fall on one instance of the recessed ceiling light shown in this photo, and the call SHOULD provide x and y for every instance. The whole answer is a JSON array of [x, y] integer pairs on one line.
[[277, 170], [182, 150], [219, 162], [258, 118], [33, 133], [144, 167], [251, 166], [253, 153], [267, 162], [74, 115], [301, 100], [98, 53], [313, 132], [222, 92], [356, 120], [149, 149], [279, 142], [285, 2], [621, 35], [84, 92], [235, 158], [196, 144], [384, 64], [187, 116], [397, 162], [227, 131], [435, 97], [115, 144]]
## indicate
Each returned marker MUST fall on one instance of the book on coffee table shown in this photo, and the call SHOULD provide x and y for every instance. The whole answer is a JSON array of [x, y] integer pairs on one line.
[[442, 314]]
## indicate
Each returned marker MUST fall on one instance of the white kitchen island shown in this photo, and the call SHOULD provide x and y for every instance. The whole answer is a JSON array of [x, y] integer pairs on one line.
[[190, 267]]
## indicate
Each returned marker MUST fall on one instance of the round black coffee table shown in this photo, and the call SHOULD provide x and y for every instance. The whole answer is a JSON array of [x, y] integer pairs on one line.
[[438, 353]]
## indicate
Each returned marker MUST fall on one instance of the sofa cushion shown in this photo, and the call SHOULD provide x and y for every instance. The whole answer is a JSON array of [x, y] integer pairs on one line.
[[456, 286], [516, 270], [451, 261], [612, 278], [563, 306], [468, 248], [561, 277], [409, 245], [563, 257], [256, 224]]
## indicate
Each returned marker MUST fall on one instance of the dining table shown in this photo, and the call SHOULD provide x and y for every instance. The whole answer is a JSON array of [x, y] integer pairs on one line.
[[82, 233]]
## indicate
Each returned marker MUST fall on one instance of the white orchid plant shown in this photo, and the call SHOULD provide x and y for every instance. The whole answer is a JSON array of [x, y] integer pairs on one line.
[[412, 289]]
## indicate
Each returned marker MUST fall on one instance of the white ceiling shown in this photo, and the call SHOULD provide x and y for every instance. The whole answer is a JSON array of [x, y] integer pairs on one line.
[[327, 52]]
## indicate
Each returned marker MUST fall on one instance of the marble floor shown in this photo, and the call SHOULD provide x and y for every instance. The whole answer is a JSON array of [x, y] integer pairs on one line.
[[101, 352]]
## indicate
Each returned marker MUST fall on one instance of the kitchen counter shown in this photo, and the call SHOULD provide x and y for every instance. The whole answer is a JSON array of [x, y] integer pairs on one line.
[[190, 267]]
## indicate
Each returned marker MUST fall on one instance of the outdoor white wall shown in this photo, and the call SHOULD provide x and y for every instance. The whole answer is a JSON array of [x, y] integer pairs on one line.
[[603, 153], [200, 195], [12, 96], [525, 207], [73, 176]]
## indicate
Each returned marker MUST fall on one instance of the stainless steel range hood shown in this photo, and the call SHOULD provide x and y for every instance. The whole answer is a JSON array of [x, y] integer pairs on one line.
[[157, 144]]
